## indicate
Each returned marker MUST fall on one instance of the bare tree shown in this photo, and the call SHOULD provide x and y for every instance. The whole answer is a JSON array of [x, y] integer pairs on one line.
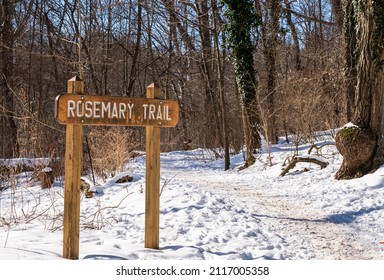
[[125, 45], [220, 74], [292, 27], [269, 16]]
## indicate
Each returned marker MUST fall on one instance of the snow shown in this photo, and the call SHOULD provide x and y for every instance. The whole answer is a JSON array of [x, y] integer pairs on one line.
[[47, 169], [207, 213], [317, 158], [349, 125]]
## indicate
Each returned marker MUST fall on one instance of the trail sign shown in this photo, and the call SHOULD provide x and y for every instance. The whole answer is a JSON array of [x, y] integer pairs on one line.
[[75, 109], [116, 110]]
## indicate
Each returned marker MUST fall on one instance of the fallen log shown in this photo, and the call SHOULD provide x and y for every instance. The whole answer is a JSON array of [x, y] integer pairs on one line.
[[308, 159]]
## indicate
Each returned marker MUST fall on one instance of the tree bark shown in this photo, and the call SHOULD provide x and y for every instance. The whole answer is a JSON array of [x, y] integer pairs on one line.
[[337, 9], [357, 146], [220, 74], [351, 56], [242, 17], [292, 27], [9, 143], [362, 145], [269, 32], [133, 75], [206, 66]]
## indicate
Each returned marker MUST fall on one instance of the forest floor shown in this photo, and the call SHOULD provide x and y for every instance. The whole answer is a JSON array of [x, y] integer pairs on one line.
[[207, 213]]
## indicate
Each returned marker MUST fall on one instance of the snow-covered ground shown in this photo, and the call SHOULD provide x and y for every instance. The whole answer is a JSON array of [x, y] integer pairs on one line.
[[208, 213]]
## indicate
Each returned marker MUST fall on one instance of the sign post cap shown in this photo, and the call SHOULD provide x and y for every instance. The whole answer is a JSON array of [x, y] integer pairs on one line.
[[154, 85], [75, 79]]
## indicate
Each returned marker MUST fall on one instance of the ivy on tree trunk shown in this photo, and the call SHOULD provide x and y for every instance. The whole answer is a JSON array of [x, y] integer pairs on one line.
[[241, 19]]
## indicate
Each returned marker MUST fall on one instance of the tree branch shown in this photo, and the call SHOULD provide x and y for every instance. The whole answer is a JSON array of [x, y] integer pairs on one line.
[[309, 18]]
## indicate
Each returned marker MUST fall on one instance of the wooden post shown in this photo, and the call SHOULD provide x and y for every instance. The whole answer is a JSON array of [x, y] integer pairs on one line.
[[152, 179], [73, 169]]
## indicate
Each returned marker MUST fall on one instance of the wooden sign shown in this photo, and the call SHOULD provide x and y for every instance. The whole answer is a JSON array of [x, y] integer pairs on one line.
[[75, 109], [116, 110]]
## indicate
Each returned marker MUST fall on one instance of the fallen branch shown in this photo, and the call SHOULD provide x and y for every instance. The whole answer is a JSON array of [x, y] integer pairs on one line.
[[318, 148], [308, 159]]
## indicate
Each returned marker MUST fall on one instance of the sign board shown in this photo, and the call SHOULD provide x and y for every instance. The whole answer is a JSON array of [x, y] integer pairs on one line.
[[75, 109], [116, 110]]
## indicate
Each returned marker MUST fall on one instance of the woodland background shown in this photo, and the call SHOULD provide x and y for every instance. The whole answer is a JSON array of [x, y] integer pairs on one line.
[[299, 55]]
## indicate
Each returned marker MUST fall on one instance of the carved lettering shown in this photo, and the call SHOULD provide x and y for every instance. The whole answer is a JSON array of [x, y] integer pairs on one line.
[[122, 110], [145, 107], [71, 109], [151, 112], [96, 109], [114, 111], [88, 109], [105, 110], [79, 109], [117, 111], [130, 108], [159, 114]]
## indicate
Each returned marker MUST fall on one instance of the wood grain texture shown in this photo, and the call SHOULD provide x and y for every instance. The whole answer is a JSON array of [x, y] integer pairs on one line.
[[152, 179], [73, 170]]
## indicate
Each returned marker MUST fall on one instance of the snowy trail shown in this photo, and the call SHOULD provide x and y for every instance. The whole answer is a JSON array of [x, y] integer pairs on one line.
[[300, 229], [297, 223]]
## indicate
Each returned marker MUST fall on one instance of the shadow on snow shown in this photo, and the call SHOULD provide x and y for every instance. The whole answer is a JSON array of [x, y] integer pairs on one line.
[[351, 216]]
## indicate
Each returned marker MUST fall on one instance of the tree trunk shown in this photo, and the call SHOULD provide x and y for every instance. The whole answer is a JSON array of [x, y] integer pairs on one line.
[[242, 17], [269, 32], [133, 74], [362, 144], [206, 67], [220, 74], [251, 123], [9, 144], [357, 146], [351, 56], [106, 52], [292, 27], [337, 9]]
